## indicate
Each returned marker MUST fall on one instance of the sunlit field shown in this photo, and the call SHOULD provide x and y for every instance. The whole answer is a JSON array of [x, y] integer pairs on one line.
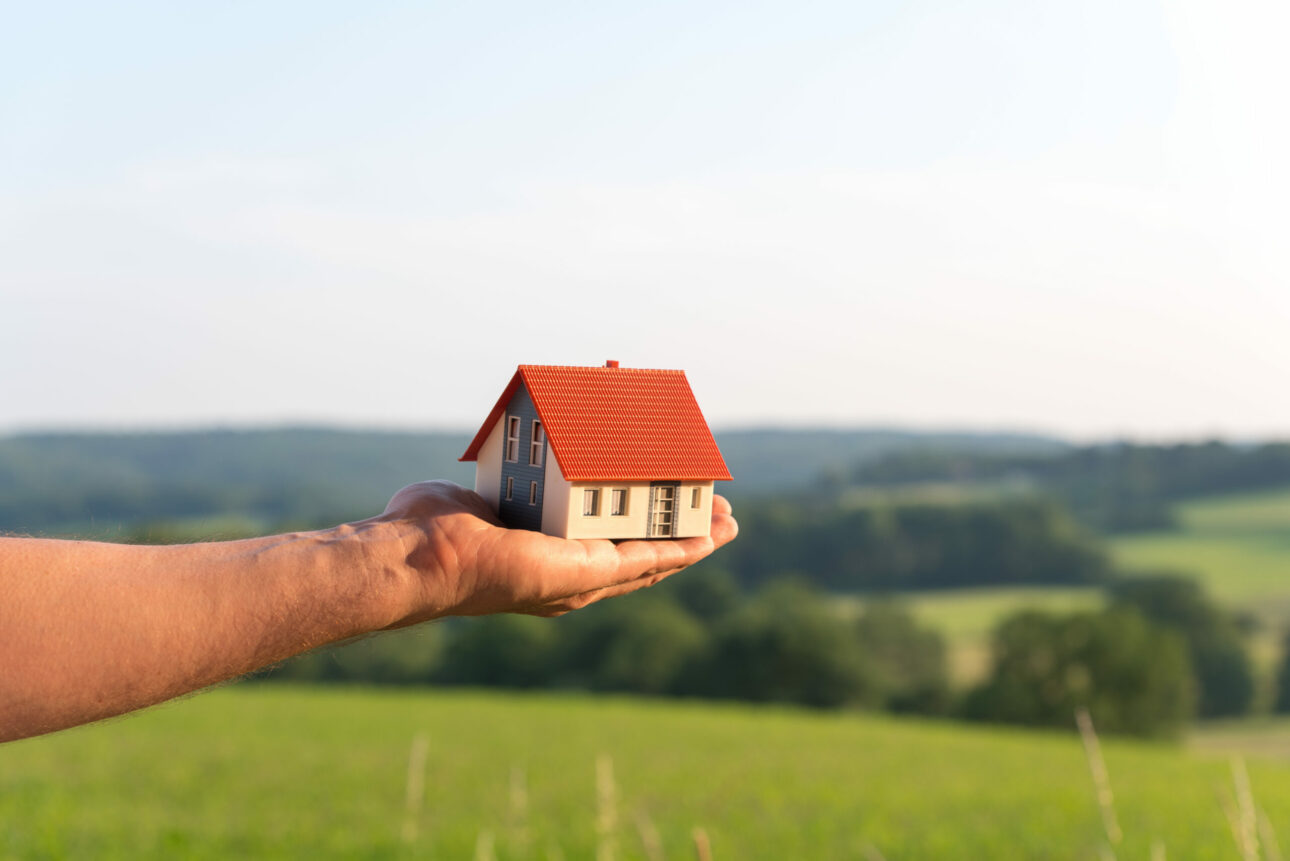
[[316, 773], [965, 617], [1239, 546]]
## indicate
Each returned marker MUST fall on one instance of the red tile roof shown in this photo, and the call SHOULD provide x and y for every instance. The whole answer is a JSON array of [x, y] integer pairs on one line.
[[616, 424]]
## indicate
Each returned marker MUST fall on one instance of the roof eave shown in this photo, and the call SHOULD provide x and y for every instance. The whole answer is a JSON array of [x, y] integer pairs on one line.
[[472, 450]]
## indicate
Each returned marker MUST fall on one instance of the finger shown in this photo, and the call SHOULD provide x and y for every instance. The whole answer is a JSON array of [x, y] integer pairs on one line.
[[649, 578], [721, 505], [585, 565], [724, 529], [462, 497], [650, 557], [478, 506], [577, 602]]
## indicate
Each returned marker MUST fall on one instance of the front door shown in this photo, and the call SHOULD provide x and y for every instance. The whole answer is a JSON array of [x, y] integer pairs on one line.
[[662, 508]]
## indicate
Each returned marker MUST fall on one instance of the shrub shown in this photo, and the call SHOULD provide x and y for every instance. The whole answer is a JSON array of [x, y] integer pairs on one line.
[[786, 646], [1132, 675], [909, 661], [504, 651], [1219, 662]]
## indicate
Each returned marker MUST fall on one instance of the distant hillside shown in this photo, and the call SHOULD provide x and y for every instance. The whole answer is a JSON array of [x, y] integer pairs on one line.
[[98, 483], [764, 460], [1112, 487]]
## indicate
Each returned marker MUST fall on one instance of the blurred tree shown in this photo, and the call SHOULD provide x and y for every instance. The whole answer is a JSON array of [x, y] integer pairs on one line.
[[1219, 661], [409, 656], [893, 547], [650, 649], [638, 643], [786, 646], [909, 661], [1132, 676], [1282, 704], [707, 591], [503, 651]]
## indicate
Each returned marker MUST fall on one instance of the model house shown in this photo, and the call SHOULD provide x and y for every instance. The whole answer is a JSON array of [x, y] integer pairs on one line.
[[599, 452]]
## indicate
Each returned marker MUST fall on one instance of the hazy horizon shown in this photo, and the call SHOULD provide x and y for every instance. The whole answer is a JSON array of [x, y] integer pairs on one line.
[[770, 426]]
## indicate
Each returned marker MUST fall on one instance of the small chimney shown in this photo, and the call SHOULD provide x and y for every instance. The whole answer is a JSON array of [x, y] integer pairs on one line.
[[611, 363]]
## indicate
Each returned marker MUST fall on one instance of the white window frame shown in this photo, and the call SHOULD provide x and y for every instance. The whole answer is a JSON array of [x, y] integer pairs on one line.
[[537, 442], [696, 497], [532, 493], [512, 439], [591, 502], [618, 502], [510, 487]]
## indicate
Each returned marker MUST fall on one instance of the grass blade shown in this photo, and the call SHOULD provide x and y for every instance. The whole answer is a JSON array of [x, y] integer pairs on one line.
[[1101, 779], [606, 808], [414, 793]]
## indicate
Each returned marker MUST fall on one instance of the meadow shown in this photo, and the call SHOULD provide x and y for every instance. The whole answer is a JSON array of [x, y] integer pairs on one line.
[[1239, 546], [282, 771]]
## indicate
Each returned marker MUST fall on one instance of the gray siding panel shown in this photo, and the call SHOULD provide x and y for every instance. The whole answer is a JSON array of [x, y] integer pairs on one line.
[[517, 513]]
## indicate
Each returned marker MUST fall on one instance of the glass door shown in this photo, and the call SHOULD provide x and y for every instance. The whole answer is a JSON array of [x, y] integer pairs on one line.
[[662, 509]]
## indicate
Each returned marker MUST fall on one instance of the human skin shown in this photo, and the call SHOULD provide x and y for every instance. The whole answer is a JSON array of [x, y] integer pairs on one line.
[[89, 630]]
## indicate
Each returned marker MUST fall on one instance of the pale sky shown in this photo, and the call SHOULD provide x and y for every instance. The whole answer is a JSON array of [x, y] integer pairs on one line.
[[1067, 218]]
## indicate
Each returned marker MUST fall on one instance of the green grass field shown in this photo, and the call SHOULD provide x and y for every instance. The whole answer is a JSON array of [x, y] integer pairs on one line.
[[1239, 545], [321, 773]]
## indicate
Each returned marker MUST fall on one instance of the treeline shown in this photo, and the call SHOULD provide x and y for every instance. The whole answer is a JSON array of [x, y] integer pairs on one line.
[[695, 636], [1114, 488], [898, 547], [1160, 654]]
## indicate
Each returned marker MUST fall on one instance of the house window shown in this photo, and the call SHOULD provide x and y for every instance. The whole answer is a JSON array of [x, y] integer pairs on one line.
[[536, 443], [618, 501], [510, 488], [696, 497], [512, 438], [532, 493], [591, 502]]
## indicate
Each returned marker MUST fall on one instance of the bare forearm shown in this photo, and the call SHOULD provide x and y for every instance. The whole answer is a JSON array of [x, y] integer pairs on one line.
[[92, 630]]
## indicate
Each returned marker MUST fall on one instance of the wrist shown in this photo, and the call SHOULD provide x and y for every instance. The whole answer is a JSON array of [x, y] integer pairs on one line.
[[384, 558]]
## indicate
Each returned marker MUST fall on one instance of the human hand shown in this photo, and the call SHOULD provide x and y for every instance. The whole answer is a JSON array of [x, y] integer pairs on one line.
[[467, 564]]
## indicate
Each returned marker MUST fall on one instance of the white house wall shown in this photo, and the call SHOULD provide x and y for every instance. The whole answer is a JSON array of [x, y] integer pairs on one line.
[[634, 523], [694, 521], [606, 525], [488, 466], [555, 498]]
